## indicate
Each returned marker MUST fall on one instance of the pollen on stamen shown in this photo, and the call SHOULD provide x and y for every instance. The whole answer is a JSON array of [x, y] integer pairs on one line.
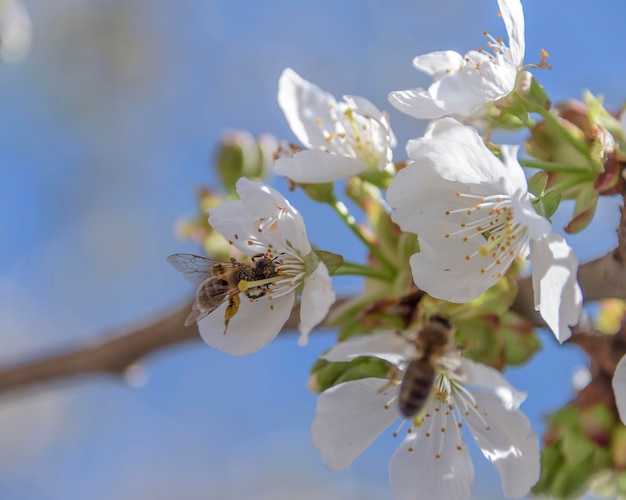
[[410, 449], [459, 425], [410, 430], [447, 235], [463, 224], [250, 242], [467, 257], [459, 448], [469, 212], [427, 434], [448, 70], [271, 307], [438, 456], [443, 429], [236, 236], [458, 193], [487, 428], [485, 33], [386, 407], [482, 271], [318, 121], [395, 434], [465, 238]]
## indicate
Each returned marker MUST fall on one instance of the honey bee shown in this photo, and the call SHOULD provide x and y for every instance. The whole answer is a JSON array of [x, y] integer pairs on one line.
[[432, 342], [219, 282]]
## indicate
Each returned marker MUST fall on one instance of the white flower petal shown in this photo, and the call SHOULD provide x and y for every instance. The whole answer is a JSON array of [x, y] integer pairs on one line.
[[515, 180], [443, 270], [436, 127], [388, 346], [237, 225], [479, 375], [513, 17], [349, 417], [554, 274], [303, 104], [317, 297], [508, 441], [416, 103], [420, 474], [455, 147], [364, 107], [314, 166], [438, 64], [254, 325], [262, 200], [619, 387]]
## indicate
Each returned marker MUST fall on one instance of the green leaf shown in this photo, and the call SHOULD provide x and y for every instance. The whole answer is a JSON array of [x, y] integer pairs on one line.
[[323, 192], [333, 261], [537, 183], [548, 204], [537, 95]]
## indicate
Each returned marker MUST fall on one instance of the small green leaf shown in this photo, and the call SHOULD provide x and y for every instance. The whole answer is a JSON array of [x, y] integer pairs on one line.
[[333, 261], [537, 183], [323, 192], [534, 96], [548, 204]]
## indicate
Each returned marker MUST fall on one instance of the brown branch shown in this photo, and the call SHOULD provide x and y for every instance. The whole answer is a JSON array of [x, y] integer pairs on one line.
[[115, 352], [112, 353]]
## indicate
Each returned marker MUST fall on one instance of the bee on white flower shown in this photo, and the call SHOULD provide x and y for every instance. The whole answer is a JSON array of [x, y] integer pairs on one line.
[[263, 225], [432, 460]]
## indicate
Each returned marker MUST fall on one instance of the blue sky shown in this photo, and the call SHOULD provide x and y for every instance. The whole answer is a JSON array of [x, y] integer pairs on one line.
[[106, 131]]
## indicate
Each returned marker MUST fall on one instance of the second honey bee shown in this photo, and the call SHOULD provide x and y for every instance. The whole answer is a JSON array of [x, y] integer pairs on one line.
[[432, 342], [219, 282]]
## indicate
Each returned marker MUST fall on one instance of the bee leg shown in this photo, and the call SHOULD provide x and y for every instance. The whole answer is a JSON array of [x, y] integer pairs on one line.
[[231, 309], [392, 379]]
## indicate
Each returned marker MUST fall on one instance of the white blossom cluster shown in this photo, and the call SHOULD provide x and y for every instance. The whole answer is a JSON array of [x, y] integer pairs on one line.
[[473, 215]]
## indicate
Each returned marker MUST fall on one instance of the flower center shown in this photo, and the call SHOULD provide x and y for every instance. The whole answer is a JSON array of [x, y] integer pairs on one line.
[[492, 221], [352, 134]]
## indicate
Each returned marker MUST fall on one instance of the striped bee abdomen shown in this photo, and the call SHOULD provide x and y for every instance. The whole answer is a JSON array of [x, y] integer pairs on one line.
[[416, 386]]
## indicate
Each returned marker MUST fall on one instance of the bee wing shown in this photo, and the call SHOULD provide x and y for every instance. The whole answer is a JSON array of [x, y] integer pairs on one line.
[[194, 268], [199, 310]]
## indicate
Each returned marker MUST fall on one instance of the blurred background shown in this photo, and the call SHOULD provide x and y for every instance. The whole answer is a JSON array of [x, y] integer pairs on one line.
[[108, 126]]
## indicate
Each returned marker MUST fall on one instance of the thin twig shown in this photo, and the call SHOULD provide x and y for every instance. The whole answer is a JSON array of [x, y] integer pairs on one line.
[[115, 352]]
